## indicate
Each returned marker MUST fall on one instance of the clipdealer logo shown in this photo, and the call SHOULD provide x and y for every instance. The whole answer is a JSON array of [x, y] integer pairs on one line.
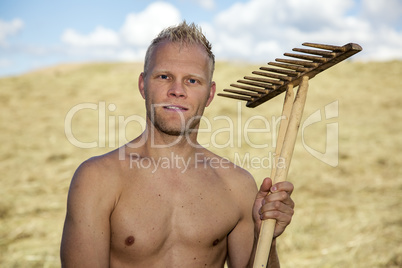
[[330, 155], [107, 125]]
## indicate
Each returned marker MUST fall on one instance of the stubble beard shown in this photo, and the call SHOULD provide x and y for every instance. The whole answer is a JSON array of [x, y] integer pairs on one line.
[[184, 127]]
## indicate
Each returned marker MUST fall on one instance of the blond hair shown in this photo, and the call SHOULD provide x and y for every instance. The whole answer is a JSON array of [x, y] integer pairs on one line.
[[182, 33]]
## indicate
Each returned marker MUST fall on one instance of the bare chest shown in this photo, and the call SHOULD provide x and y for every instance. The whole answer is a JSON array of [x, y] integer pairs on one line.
[[169, 211]]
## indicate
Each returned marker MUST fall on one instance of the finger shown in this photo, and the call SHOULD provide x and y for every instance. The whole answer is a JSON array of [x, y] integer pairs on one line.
[[282, 186], [264, 188], [280, 217], [283, 197], [277, 206]]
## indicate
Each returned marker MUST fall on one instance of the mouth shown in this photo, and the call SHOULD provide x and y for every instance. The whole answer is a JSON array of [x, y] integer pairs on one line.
[[175, 108]]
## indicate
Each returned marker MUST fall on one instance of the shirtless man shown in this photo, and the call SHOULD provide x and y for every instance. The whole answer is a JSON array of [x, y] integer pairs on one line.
[[123, 211]]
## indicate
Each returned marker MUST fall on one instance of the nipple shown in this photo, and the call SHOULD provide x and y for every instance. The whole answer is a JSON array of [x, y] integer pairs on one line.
[[129, 240], [215, 242]]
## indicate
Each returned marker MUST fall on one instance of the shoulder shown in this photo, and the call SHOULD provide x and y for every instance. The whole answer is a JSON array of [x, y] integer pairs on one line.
[[232, 174], [108, 166], [95, 168], [96, 178], [244, 182]]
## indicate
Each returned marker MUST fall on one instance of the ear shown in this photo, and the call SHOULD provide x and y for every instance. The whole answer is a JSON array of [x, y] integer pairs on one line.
[[141, 84], [211, 93]]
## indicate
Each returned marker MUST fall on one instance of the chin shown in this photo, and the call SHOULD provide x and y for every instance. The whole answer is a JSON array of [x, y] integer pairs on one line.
[[173, 127], [170, 130], [173, 132]]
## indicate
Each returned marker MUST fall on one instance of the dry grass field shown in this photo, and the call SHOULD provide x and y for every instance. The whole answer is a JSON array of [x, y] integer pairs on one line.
[[349, 215]]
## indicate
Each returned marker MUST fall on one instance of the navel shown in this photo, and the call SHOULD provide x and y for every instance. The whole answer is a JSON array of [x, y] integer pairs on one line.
[[129, 240]]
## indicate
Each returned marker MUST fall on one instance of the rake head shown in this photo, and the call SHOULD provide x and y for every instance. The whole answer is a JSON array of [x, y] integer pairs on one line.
[[274, 79]]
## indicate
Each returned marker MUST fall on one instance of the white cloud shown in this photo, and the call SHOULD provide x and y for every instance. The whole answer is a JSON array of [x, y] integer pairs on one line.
[[140, 28], [261, 30], [127, 43], [130, 54], [9, 28], [380, 12], [98, 38], [256, 30], [206, 4]]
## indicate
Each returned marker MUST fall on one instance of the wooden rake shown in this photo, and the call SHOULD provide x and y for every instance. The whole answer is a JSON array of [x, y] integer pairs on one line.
[[283, 75]]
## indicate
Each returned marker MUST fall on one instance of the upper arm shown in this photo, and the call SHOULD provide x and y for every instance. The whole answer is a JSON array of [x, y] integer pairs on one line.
[[241, 239], [86, 234]]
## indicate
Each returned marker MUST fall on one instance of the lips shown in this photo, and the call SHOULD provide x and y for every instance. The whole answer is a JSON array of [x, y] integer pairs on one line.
[[177, 108]]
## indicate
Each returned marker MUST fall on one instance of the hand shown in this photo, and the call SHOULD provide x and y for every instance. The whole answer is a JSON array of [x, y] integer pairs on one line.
[[274, 202]]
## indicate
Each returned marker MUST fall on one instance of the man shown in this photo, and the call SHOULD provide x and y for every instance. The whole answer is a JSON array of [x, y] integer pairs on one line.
[[125, 209]]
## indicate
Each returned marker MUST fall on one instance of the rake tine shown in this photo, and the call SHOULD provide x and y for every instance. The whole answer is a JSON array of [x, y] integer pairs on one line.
[[306, 57], [323, 53], [281, 71], [298, 62], [255, 89], [327, 47], [242, 92], [281, 77], [258, 84], [265, 80], [288, 66], [236, 97]]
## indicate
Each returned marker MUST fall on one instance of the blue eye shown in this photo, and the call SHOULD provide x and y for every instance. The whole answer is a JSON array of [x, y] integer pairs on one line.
[[192, 81], [164, 76]]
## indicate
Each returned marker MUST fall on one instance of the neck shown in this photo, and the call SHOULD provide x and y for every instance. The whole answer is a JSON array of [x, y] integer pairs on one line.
[[159, 144]]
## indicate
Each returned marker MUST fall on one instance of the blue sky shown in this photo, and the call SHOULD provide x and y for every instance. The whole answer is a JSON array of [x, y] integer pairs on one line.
[[36, 34]]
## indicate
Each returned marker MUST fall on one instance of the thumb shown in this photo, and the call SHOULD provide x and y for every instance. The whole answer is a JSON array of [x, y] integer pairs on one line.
[[264, 188]]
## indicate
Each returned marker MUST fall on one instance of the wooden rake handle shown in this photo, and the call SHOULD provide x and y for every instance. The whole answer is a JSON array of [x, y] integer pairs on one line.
[[288, 129]]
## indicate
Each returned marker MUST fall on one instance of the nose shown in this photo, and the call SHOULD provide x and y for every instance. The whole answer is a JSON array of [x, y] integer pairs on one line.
[[177, 90]]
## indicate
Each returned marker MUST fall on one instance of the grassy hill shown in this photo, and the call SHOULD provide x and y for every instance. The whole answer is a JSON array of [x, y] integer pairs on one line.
[[347, 214]]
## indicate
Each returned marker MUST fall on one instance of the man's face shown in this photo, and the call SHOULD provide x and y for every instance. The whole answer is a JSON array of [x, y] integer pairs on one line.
[[177, 87]]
